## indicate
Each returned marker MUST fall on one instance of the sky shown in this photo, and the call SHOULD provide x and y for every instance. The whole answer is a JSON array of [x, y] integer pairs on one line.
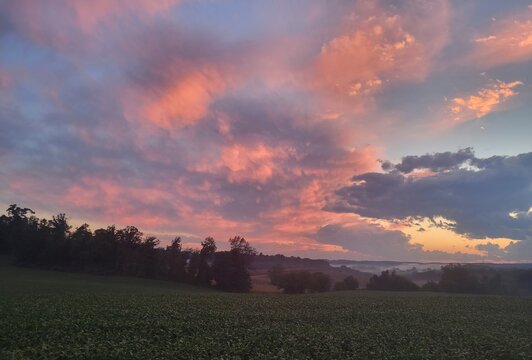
[[366, 130]]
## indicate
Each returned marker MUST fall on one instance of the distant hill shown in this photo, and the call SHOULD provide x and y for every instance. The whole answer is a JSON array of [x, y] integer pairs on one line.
[[263, 263], [418, 272], [376, 267]]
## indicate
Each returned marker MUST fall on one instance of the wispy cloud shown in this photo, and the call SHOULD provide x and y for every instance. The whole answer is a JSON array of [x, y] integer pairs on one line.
[[509, 40], [484, 101]]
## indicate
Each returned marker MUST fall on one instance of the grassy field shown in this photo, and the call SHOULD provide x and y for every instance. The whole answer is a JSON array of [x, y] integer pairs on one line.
[[58, 315]]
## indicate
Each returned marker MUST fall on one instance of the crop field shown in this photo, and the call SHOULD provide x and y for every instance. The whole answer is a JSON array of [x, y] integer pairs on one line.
[[62, 316]]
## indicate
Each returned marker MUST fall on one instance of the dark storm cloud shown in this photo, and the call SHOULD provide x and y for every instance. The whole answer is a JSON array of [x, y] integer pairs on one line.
[[490, 201], [435, 162]]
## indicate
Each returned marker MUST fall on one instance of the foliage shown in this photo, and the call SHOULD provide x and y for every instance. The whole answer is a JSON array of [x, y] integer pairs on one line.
[[391, 282], [230, 268], [483, 280], [299, 281], [54, 315], [430, 286], [349, 283], [52, 244]]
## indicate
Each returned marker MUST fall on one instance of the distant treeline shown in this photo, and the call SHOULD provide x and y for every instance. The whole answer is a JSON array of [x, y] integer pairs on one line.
[[53, 244], [482, 280], [457, 278]]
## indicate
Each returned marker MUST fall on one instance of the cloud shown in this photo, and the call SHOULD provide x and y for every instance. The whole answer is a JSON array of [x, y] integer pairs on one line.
[[138, 112], [229, 172], [62, 23], [485, 101], [186, 101], [370, 241], [515, 251], [367, 240], [478, 200], [379, 44], [435, 162], [508, 41]]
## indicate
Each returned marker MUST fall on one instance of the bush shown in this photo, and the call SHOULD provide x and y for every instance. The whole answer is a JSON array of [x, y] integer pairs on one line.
[[299, 281], [319, 282], [349, 283], [391, 281], [456, 278], [430, 286]]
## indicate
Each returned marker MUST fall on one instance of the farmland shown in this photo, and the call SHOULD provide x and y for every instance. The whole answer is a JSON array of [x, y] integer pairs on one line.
[[60, 315]]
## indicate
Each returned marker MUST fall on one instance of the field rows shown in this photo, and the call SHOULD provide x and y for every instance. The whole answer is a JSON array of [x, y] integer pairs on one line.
[[50, 315]]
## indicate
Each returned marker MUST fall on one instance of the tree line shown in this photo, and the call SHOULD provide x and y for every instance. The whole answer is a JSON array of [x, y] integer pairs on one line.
[[454, 278], [54, 244], [458, 278], [482, 280]]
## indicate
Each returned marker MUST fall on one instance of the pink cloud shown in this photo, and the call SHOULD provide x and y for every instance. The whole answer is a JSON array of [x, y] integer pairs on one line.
[[4, 79], [186, 101], [93, 13], [508, 41], [59, 23], [111, 199], [483, 102], [378, 46]]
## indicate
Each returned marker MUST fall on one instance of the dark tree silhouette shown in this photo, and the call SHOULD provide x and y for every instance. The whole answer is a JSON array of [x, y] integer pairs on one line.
[[276, 274], [456, 278], [319, 282], [391, 281], [80, 249], [349, 283], [299, 281], [175, 261], [205, 256], [430, 286], [231, 268], [295, 282]]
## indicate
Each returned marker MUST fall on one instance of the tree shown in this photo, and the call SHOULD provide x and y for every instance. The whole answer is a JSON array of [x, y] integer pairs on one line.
[[148, 255], [175, 261], [52, 244], [430, 286], [17, 213], [24, 234], [176, 245], [276, 274], [299, 281], [391, 281], [231, 268], [319, 282], [57, 249], [295, 282], [105, 250], [80, 249], [457, 278], [208, 249], [242, 248], [129, 245], [349, 283], [59, 226], [4, 228]]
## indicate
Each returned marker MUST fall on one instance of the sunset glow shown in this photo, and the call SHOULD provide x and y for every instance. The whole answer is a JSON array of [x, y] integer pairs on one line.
[[375, 130]]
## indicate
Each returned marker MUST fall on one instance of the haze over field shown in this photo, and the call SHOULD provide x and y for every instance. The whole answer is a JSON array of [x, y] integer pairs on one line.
[[368, 130]]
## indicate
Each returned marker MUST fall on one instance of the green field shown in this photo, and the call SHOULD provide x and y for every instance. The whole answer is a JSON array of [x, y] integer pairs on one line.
[[58, 315]]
